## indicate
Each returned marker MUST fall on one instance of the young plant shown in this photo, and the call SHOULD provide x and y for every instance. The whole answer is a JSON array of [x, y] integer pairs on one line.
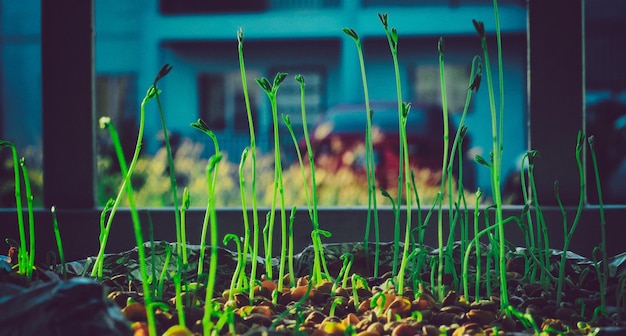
[[603, 276], [57, 236], [183, 235], [208, 308], [311, 198], [407, 170], [239, 269], [22, 254], [497, 130], [253, 152], [403, 168], [567, 236], [31, 220], [126, 187], [444, 107], [211, 175], [370, 167], [540, 244], [271, 90]]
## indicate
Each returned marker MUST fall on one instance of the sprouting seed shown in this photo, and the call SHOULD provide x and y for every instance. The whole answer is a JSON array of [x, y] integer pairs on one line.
[[351, 32], [480, 28]]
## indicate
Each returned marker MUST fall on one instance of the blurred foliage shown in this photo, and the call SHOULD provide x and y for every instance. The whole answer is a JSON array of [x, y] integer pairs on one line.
[[151, 183], [33, 158]]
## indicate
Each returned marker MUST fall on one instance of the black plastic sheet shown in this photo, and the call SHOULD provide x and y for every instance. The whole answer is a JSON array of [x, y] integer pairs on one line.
[[73, 307]]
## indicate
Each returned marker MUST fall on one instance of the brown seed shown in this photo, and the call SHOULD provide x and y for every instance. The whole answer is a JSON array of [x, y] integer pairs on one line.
[[400, 305], [299, 292], [258, 319], [135, 312], [468, 329], [430, 330], [302, 281], [350, 319], [443, 318], [403, 330], [377, 328], [333, 328], [367, 333], [482, 317], [450, 299], [263, 310], [453, 309], [314, 318], [425, 301], [325, 287], [340, 291]]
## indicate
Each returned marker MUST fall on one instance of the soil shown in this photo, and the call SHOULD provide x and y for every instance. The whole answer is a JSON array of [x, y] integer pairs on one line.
[[115, 304]]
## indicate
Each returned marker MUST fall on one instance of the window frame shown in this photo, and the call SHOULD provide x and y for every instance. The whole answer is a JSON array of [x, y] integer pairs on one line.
[[556, 87]]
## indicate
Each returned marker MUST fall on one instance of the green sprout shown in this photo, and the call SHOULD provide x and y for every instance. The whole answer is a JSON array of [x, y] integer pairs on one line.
[[357, 282], [246, 224], [497, 131], [580, 143], [292, 273], [170, 161], [271, 90], [347, 259], [403, 164], [369, 158], [183, 235], [179, 300], [22, 254], [57, 236], [378, 301], [239, 269], [211, 174], [336, 301], [31, 220], [444, 106], [166, 262], [319, 261], [255, 214], [208, 309], [126, 187], [603, 276]]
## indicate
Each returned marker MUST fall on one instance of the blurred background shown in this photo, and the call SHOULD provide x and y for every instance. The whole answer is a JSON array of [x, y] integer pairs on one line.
[[133, 39]]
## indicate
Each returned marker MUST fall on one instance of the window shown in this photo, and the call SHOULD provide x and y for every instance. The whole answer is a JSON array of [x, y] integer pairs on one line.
[[427, 86], [289, 99], [222, 102], [605, 52]]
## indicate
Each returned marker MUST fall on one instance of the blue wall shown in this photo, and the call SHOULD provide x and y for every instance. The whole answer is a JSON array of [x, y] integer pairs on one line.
[[133, 38]]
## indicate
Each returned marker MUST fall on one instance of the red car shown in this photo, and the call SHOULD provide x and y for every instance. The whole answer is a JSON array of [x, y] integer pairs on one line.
[[338, 141]]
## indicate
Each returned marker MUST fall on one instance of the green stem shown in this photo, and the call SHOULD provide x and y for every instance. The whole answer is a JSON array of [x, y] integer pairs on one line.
[[271, 90], [240, 263], [31, 220], [255, 213], [444, 106], [57, 236], [208, 309], [496, 131], [22, 254], [605, 261], [569, 235], [372, 208]]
